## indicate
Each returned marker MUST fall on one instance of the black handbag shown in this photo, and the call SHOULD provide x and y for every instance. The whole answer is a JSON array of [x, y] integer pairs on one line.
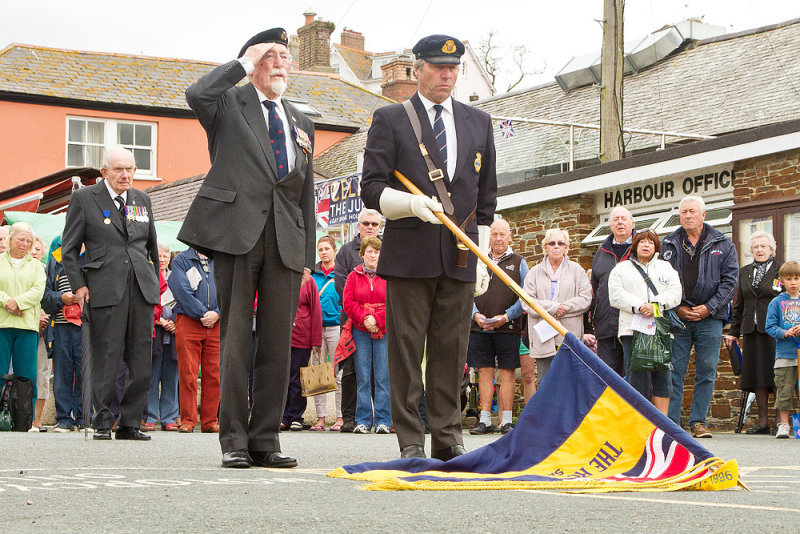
[[20, 401], [5, 411], [652, 352]]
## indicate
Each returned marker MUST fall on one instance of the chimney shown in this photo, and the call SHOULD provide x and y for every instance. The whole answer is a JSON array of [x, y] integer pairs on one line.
[[315, 44], [398, 81], [352, 39]]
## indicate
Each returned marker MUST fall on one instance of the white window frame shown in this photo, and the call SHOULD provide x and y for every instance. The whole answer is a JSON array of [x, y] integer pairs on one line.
[[644, 220], [110, 139]]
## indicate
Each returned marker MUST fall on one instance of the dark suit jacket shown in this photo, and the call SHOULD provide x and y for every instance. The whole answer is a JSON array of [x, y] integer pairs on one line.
[[109, 253], [750, 306], [413, 248], [232, 206]]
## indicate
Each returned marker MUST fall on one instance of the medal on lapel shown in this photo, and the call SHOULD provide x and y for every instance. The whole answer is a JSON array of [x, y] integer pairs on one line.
[[303, 139], [477, 162], [776, 284], [107, 215]]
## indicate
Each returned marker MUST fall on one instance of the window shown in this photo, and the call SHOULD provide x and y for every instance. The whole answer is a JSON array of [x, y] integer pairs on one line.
[[87, 138], [304, 107], [781, 218], [718, 215]]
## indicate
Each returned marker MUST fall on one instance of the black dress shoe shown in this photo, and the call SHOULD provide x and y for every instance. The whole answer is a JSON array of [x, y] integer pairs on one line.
[[102, 433], [130, 432], [482, 428], [412, 451], [449, 453], [348, 426], [758, 430], [238, 458], [272, 459]]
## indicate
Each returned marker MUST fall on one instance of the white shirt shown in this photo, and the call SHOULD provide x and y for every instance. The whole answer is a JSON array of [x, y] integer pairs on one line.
[[449, 129], [114, 195], [290, 151]]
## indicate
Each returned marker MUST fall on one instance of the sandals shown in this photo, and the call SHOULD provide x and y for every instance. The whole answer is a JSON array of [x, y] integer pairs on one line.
[[336, 428], [318, 427]]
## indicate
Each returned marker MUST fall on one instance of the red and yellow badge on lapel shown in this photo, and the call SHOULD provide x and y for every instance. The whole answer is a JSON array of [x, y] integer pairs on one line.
[[477, 163], [303, 140], [449, 46]]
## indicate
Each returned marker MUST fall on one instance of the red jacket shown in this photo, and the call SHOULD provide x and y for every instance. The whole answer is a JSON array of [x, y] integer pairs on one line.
[[307, 327], [360, 290]]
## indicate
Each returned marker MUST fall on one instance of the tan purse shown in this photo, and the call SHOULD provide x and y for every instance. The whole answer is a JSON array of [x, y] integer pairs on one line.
[[317, 379]]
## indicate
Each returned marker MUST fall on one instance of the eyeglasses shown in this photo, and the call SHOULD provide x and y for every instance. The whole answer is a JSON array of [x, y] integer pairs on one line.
[[270, 57], [374, 224], [554, 243]]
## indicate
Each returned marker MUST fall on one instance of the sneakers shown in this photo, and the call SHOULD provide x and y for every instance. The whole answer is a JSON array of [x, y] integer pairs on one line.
[[361, 429], [506, 428], [382, 429], [62, 427], [296, 426], [700, 430], [784, 431], [481, 429]]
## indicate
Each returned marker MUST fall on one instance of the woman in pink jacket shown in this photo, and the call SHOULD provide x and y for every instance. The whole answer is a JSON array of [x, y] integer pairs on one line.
[[364, 302]]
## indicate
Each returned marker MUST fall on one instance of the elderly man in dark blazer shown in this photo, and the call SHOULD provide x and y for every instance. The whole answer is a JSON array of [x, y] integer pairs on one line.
[[254, 214], [120, 284], [428, 293]]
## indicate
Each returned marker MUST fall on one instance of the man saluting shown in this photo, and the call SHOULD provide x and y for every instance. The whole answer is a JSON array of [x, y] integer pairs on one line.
[[429, 282], [254, 214]]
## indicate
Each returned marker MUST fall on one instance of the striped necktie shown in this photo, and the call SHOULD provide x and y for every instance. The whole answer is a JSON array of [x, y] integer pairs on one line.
[[277, 139], [438, 132]]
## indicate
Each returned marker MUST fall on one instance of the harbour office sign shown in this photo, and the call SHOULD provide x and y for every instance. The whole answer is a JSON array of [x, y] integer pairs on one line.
[[709, 183]]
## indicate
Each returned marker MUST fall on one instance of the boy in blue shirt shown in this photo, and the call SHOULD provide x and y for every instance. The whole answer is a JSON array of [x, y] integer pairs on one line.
[[783, 323]]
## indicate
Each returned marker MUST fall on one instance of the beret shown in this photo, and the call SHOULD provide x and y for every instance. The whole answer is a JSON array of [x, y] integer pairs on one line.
[[273, 35]]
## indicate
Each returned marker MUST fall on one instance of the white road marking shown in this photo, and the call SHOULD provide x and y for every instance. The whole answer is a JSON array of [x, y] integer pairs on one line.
[[670, 501]]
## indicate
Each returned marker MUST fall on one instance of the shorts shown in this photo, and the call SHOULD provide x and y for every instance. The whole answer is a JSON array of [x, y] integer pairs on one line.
[[785, 385], [493, 350]]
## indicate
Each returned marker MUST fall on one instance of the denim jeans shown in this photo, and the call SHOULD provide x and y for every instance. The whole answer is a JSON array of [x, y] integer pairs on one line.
[[371, 363], [706, 335], [162, 404], [67, 373]]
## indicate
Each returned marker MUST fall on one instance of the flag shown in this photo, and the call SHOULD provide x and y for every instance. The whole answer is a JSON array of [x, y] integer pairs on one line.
[[322, 194], [507, 129], [585, 429]]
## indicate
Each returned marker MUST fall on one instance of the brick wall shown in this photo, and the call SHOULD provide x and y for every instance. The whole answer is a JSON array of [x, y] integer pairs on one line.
[[767, 177], [398, 80], [315, 46]]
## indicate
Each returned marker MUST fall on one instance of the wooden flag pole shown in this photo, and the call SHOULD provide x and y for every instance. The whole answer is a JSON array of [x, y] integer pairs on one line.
[[453, 227]]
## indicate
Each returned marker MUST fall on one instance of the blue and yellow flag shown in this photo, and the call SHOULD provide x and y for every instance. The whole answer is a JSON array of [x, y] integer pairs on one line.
[[585, 429]]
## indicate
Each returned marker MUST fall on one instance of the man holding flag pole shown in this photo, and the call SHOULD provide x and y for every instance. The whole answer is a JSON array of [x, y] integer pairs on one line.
[[447, 149]]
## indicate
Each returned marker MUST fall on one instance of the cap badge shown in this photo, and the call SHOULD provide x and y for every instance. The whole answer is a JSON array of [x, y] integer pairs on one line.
[[283, 36], [449, 47]]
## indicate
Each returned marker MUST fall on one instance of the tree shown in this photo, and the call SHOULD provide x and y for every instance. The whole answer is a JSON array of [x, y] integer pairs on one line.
[[490, 55]]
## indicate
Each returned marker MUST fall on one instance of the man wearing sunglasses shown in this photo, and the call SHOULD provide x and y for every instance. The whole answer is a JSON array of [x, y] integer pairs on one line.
[[347, 259]]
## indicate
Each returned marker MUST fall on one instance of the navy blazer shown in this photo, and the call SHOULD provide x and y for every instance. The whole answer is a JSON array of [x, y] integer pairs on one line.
[[411, 247]]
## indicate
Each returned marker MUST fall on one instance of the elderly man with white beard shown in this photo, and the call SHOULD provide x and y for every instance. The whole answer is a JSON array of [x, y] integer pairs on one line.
[[254, 214]]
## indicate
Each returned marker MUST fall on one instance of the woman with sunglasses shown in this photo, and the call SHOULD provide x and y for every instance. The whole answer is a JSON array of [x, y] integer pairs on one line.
[[562, 288], [629, 293]]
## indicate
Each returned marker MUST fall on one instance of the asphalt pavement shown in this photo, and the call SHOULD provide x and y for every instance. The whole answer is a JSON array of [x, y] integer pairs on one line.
[[60, 482]]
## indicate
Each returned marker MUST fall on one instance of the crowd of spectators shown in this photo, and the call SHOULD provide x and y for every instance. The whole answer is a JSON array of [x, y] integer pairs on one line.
[[635, 276]]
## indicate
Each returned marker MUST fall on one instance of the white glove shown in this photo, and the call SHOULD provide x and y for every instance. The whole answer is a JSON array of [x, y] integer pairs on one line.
[[398, 204], [481, 273]]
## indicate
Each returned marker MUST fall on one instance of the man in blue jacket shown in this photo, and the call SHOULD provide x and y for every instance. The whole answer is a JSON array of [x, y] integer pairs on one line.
[[196, 338], [708, 267]]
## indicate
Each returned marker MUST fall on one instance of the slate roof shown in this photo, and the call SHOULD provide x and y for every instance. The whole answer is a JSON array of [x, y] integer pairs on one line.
[[359, 61], [716, 86], [170, 201], [158, 84], [342, 158], [712, 87]]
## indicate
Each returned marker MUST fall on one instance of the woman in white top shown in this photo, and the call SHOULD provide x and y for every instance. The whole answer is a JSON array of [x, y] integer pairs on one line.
[[630, 294]]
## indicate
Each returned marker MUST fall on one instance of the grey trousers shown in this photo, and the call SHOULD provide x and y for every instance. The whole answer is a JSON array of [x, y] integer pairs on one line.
[[428, 316], [238, 277]]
